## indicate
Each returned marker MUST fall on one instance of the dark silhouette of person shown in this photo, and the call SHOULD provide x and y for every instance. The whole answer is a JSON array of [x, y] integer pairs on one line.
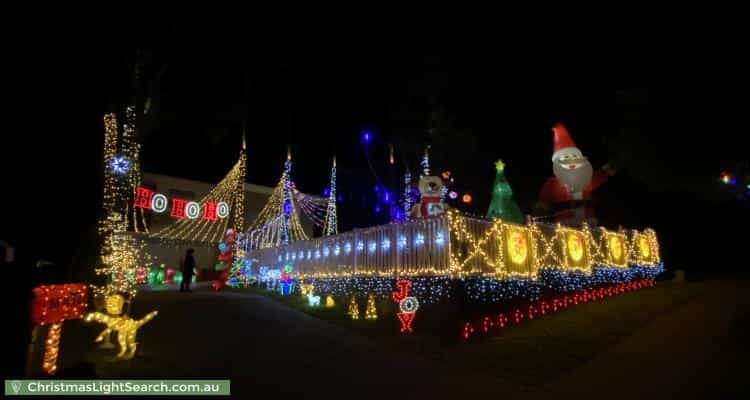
[[187, 271]]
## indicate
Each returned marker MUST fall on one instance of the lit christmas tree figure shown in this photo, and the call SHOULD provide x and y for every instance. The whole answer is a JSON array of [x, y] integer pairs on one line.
[[353, 309], [502, 205], [408, 203], [331, 226], [425, 163], [287, 198], [371, 312]]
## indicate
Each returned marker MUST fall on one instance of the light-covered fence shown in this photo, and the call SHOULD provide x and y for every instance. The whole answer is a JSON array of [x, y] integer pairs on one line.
[[458, 245]]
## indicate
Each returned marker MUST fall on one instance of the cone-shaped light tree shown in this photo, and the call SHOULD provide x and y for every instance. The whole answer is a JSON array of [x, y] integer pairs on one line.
[[502, 205]]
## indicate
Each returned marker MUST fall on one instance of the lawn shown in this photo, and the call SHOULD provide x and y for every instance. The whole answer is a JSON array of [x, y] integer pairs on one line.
[[528, 354], [525, 355]]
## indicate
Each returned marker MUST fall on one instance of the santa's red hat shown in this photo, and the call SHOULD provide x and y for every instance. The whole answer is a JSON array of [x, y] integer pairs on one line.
[[563, 144]]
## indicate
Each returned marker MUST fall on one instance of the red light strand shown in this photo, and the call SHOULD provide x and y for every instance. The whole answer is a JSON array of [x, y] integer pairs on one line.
[[543, 307]]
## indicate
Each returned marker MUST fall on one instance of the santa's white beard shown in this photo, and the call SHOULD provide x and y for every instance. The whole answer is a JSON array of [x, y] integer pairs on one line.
[[575, 179]]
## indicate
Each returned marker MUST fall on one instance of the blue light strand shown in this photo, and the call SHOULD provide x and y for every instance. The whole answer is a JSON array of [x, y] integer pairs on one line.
[[436, 289]]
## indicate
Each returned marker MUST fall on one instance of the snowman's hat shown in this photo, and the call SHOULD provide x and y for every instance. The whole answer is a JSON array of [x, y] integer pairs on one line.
[[563, 144]]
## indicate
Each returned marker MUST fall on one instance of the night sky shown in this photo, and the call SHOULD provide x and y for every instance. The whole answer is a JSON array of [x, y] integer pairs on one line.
[[313, 80]]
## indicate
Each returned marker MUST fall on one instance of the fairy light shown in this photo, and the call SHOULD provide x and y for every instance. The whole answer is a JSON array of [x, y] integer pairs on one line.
[[51, 349], [371, 312], [408, 305], [159, 203], [496, 260], [287, 204], [192, 210], [312, 300], [222, 209], [727, 178], [353, 311], [331, 225], [279, 221], [120, 253], [540, 307], [224, 198], [425, 163], [419, 240], [53, 304], [119, 165], [408, 204], [126, 328]]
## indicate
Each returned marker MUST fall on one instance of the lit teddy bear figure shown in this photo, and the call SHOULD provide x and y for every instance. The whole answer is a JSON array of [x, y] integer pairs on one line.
[[125, 327]]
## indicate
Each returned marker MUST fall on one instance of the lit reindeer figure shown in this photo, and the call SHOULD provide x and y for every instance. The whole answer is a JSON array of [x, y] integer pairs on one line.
[[125, 327]]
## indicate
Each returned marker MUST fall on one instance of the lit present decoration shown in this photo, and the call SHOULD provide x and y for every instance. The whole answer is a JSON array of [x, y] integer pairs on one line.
[[53, 304]]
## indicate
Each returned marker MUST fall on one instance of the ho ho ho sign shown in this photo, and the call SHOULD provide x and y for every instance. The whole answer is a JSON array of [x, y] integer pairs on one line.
[[150, 200]]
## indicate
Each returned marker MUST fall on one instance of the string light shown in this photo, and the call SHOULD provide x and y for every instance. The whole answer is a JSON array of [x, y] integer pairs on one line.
[[56, 303], [209, 211], [305, 288], [419, 240], [371, 312], [408, 203], [426, 161], [279, 222], [353, 309], [227, 195], [331, 225], [286, 285], [312, 300], [119, 165], [143, 197], [407, 304], [192, 210], [126, 328], [120, 252], [159, 203], [51, 349], [52, 304], [178, 208], [494, 257], [550, 305], [727, 178], [222, 209]]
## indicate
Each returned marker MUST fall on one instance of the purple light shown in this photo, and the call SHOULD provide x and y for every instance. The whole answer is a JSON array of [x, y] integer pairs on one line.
[[377, 208], [376, 188], [326, 192], [386, 196], [453, 195], [339, 198]]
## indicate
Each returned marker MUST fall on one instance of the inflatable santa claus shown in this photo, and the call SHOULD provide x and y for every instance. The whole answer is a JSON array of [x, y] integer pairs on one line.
[[567, 195]]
